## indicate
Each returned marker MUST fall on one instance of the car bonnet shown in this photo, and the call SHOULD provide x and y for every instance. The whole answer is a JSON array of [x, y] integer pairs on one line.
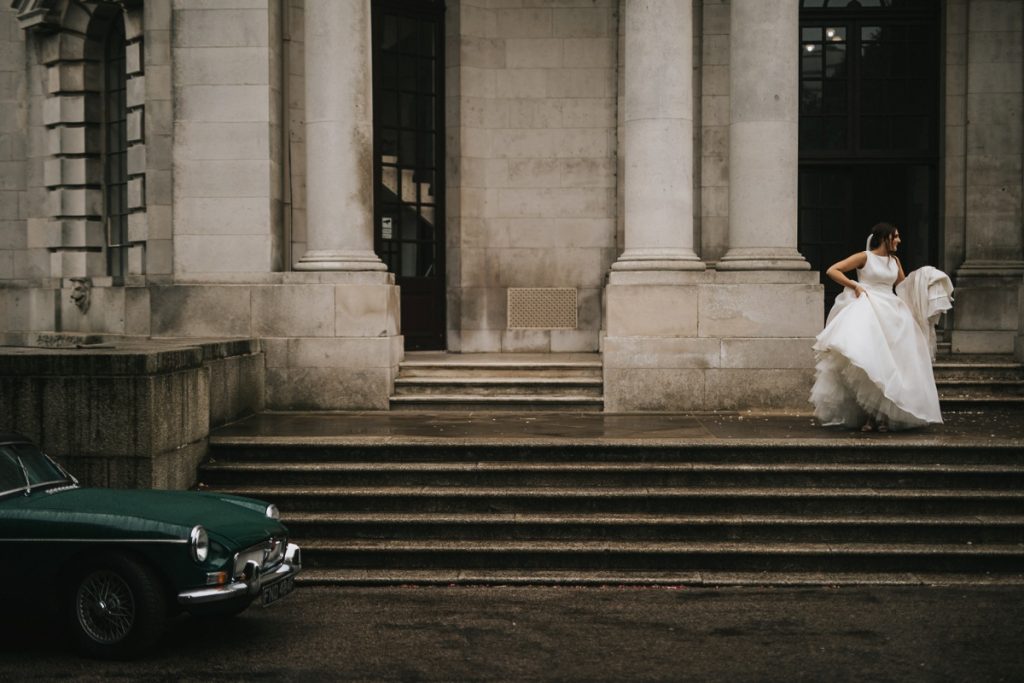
[[157, 514]]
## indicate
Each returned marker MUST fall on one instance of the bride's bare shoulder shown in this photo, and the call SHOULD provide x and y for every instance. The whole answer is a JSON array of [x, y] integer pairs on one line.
[[852, 262]]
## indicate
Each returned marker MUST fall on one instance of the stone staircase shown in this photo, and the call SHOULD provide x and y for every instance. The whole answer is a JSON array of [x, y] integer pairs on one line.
[[978, 380], [502, 381], [826, 511]]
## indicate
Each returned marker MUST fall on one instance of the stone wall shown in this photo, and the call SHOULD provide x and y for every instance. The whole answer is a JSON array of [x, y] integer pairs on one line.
[[534, 192], [227, 137], [125, 415], [13, 150]]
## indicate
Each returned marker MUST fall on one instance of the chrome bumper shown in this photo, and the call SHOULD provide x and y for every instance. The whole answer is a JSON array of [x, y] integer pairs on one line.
[[251, 584]]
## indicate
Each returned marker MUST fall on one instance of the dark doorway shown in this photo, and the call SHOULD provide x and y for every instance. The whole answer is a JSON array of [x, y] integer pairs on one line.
[[408, 142], [869, 128]]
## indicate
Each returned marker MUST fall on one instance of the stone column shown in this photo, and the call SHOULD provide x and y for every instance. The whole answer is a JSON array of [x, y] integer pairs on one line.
[[763, 142], [987, 310], [658, 145], [339, 137]]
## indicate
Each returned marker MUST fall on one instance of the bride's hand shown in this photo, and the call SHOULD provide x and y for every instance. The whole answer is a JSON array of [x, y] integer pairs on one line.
[[858, 290]]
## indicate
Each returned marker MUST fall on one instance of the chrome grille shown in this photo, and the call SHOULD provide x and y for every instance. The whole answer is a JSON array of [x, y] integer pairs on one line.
[[267, 555]]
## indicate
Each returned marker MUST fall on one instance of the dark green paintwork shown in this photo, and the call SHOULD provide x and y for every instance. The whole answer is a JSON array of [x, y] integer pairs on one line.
[[44, 534]]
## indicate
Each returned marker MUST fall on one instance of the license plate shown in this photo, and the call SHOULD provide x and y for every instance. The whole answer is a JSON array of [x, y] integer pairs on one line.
[[277, 591]]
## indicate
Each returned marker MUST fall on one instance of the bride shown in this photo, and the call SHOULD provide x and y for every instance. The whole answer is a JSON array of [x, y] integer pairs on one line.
[[873, 362]]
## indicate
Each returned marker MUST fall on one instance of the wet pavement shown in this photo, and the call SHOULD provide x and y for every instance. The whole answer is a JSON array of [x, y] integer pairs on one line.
[[996, 426], [570, 634]]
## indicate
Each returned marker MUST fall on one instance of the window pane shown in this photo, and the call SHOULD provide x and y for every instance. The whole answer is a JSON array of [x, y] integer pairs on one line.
[[811, 133], [835, 61], [812, 34], [835, 133], [810, 63], [835, 34], [835, 97], [810, 97], [874, 132]]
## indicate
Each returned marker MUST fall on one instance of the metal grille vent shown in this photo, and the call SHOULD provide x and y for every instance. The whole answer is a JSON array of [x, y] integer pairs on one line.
[[543, 308]]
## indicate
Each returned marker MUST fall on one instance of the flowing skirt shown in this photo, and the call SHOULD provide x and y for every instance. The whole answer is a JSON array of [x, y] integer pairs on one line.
[[873, 361]]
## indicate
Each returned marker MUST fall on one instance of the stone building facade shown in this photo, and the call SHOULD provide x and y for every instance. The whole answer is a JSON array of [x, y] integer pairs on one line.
[[660, 181]]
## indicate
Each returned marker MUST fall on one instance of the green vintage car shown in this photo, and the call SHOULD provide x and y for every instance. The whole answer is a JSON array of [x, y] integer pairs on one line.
[[118, 563]]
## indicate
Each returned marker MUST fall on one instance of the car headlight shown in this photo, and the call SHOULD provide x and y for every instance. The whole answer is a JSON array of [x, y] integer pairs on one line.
[[272, 512], [199, 543]]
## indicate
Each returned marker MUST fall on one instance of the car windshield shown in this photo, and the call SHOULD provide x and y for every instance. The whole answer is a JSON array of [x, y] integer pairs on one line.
[[23, 466]]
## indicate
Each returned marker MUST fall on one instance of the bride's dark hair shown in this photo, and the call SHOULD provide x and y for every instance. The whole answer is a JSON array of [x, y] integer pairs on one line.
[[881, 233]]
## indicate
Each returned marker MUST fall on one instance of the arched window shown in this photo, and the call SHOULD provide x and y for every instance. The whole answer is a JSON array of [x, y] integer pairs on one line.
[[115, 146]]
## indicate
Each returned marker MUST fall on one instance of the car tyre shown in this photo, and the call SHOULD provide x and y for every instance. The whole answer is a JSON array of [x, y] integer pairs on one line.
[[117, 608]]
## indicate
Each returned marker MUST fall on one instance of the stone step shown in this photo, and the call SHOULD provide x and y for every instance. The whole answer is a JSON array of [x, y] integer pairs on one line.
[[498, 386], [992, 372], [854, 448], [444, 527], [953, 388], [576, 402], [976, 400], [584, 577], [655, 500], [513, 370], [662, 555], [606, 474]]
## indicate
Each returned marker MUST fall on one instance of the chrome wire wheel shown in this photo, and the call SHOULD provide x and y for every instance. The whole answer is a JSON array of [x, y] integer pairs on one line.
[[105, 607]]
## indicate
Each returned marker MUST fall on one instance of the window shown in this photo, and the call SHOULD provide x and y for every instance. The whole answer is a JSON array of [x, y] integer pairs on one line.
[[869, 122], [115, 147]]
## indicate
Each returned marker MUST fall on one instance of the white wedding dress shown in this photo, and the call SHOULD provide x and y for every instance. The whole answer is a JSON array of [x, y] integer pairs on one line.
[[872, 358]]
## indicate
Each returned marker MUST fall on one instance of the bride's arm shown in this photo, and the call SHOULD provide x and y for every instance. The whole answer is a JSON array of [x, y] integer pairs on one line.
[[837, 271], [899, 265]]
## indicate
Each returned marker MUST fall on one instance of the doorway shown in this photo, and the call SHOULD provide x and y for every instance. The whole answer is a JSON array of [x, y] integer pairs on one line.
[[869, 128], [408, 145]]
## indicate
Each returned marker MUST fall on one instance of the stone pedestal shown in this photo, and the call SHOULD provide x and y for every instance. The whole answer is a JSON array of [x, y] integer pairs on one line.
[[712, 341]]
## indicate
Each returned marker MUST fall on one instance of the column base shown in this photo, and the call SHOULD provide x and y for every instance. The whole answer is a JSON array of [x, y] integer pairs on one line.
[[658, 259], [763, 258], [340, 260]]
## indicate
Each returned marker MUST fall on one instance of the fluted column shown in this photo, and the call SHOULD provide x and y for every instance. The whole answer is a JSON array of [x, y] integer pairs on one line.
[[658, 129], [763, 141], [339, 137]]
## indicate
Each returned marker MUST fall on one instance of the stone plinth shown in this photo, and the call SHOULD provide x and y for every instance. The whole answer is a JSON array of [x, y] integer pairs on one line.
[[711, 341], [128, 413], [986, 310], [331, 338]]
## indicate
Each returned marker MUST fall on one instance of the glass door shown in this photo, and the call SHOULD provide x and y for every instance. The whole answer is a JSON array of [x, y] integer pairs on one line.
[[408, 132]]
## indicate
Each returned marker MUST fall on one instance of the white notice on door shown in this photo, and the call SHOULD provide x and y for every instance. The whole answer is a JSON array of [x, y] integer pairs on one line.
[[385, 227]]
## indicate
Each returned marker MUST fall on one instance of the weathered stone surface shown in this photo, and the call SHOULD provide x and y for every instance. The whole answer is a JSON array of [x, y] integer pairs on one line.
[[653, 389], [736, 388], [328, 388], [653, 310]]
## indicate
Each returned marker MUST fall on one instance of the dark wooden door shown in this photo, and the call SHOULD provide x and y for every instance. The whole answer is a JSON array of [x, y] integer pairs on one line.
[[408, 136]]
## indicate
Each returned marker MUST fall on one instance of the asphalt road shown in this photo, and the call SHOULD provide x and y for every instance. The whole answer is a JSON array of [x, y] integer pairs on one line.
[[570, 634]]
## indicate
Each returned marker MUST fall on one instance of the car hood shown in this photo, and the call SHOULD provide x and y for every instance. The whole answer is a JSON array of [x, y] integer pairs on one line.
[[160, 514]]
